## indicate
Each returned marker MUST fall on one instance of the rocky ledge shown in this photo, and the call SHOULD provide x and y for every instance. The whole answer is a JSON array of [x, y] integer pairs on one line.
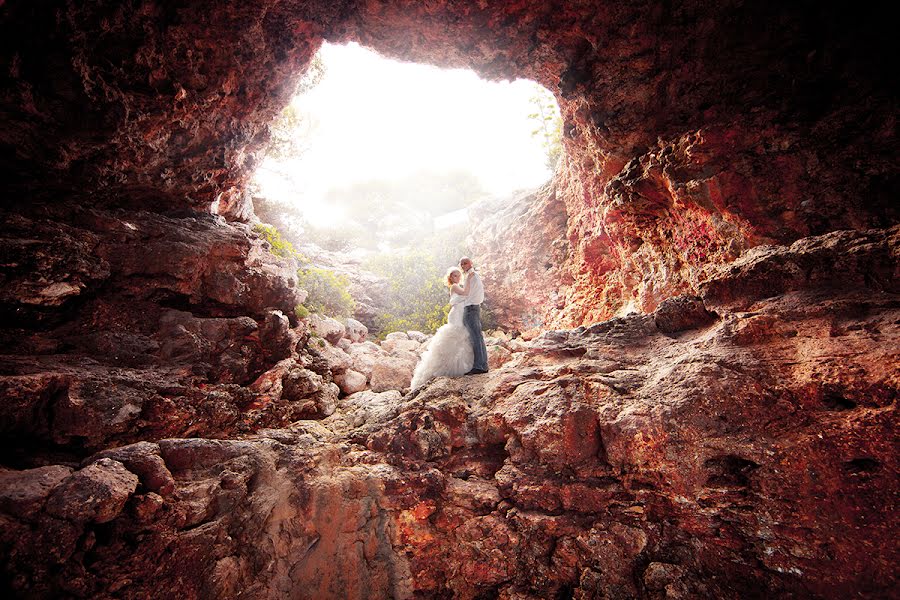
[[737, 444]]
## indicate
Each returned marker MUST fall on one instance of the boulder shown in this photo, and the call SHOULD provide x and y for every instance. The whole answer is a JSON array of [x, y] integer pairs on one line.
[[498, 334], [394, 346], [397, 335], [356, 331], [22, 493], [326, 401], [223, 343], [392, 373], [271, 383], [96, 493], [497, 355], [368, 407], [326, 327], [364, 355], [682, 313], [195, 455], [351, 381], [417, 336], [143, 460], [299, 383], [277, 337], [334, 359]]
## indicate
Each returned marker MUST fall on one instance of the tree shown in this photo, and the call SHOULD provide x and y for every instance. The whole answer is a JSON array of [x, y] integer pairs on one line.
[[398, 213], [418, 297], [291, 130], [548, 125], [328, 292]]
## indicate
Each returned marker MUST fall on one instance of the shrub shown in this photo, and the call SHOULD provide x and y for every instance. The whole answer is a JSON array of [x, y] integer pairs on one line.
[[489, 319], [418, 297], [301, 311], [328, 292], [277, 244]]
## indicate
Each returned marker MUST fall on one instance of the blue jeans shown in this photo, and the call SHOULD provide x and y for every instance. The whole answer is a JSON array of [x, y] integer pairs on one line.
[[472, 321]]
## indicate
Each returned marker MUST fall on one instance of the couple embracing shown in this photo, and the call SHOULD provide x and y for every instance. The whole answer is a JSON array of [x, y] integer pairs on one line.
[[457, 348]]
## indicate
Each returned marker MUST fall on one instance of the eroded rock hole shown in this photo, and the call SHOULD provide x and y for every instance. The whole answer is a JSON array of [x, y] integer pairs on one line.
[[862, 465], [729, 471], [739, 156], [836, 399]]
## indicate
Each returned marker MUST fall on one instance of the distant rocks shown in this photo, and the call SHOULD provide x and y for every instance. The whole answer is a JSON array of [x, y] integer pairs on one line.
[[326, 327], [356, 331], [351, 381], [356, 364]]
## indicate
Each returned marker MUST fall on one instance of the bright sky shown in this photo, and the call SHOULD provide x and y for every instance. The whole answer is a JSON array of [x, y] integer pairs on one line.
[[374, 118]]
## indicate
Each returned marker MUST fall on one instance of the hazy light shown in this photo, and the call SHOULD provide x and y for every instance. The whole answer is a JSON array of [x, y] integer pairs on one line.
[[374, 118]]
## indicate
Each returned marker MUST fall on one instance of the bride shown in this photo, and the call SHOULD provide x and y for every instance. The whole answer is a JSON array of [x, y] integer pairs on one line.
[[450, 351]]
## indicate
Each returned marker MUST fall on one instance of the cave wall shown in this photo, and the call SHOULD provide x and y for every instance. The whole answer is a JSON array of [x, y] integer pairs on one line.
[[167, 429], [679, 454], [150, 104], [692, 132]]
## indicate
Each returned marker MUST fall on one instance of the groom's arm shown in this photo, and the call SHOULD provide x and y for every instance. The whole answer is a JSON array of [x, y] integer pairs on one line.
[[465, 288]]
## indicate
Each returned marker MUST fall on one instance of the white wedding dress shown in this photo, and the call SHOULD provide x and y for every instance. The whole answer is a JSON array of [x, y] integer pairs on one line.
[[449, 353]]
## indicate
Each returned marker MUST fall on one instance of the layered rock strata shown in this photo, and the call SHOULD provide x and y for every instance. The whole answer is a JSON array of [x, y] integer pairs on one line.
[[737, 445], [124, 326]]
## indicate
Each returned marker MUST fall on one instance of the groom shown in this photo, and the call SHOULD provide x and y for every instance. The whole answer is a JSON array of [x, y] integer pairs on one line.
[[472, 315]]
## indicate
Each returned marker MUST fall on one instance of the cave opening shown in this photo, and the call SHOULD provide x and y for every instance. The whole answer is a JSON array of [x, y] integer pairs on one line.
[[381, 166]]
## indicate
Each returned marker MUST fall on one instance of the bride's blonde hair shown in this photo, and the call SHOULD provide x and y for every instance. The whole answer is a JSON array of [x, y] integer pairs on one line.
[[450, 272]]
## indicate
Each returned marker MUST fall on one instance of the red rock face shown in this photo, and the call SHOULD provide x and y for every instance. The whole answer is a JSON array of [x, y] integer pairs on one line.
[[736, 441], [679, 454], [692, 132]]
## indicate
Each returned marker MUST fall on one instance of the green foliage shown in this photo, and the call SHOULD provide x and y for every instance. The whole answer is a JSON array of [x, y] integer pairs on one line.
[[289, 133], [277, 244], [328, 292], [424, 313], [548, 125], [301, 311], [315, 72], [418, 298]]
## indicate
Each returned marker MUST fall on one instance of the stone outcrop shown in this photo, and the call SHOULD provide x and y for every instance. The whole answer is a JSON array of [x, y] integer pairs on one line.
[[175, 318], [748, 452], [524, 286], [171, 430]]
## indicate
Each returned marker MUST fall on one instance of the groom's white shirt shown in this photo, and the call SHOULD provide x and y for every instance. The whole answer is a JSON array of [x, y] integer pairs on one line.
[[476, 291]]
